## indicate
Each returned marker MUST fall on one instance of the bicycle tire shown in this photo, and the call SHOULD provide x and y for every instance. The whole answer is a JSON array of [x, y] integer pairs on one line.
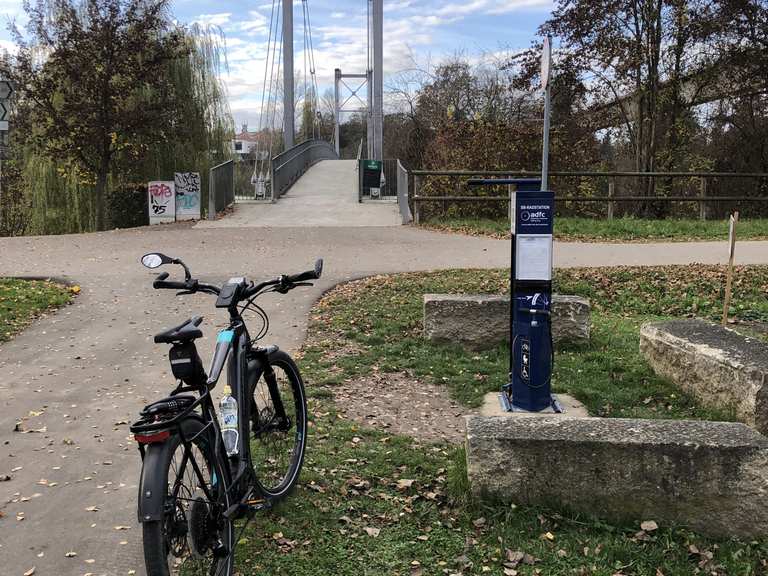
[[271, 480], [159, 557]]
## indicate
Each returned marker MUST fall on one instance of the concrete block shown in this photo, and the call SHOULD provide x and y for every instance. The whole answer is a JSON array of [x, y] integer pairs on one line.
[[480, 321], [572, 408], [709, 476], [720, 367]]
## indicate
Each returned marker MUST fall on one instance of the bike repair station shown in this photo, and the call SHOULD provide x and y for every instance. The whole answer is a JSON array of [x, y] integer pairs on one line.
[[532, 211]]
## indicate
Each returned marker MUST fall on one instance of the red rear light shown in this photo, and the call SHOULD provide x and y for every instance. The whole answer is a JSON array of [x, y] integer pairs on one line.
[[151, 438]]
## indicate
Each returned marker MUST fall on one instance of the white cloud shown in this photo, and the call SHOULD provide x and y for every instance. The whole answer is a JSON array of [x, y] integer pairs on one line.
[[256, 24], [214, 19], [489, 7], [338, 15]]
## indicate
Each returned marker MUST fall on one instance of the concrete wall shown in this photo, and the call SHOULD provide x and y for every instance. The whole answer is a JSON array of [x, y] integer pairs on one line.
[[718, 366], [482, 321], [710, 476]]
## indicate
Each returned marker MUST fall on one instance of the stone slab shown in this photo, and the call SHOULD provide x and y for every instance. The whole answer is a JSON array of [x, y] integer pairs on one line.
[[573, 408], [720, 367], [481, 321], [709, 476]]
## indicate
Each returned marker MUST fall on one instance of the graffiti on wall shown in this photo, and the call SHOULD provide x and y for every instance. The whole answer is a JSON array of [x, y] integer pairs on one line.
[[162, 202], [187, 195]]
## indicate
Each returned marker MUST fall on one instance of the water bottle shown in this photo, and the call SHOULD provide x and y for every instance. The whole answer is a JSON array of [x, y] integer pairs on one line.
[[228, 411]]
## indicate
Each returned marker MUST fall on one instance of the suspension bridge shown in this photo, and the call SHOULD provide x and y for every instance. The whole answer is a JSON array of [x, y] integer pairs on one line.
[[298, 177]]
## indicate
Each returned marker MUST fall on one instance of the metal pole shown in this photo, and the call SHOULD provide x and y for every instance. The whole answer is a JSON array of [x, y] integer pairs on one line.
[[512, 277], [336, 119], [288, 104], [378, 79], [369, 116], [211, 196], [545, 147]]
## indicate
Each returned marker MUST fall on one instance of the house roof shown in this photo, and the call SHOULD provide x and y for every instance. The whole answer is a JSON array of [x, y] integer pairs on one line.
[[249, 137]]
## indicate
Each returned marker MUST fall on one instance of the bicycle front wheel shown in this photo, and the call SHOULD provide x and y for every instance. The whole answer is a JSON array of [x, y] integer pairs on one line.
[[279, 424], [192, 538]]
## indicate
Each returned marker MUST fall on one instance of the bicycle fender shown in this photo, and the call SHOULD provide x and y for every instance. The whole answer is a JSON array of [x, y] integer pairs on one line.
[[153, 483]]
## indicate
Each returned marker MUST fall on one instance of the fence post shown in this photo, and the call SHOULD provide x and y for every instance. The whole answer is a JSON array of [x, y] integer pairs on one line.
[[611, 194], [703, 203], [211, 196], [416, 208]]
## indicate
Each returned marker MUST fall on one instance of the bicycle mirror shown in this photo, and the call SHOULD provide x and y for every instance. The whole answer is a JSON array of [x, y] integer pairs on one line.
[[155, 260]]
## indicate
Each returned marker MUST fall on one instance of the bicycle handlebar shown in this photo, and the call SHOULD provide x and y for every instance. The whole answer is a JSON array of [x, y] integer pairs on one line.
[[192, 285]]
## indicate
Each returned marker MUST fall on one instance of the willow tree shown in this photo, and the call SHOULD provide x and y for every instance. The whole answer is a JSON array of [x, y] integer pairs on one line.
[[94, 73]]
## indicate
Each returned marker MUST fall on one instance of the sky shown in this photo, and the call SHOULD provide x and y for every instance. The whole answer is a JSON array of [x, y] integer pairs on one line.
[[417, 33]]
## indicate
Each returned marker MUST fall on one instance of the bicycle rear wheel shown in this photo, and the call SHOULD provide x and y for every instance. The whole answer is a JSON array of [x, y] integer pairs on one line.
[[192, 538], [279, 423]]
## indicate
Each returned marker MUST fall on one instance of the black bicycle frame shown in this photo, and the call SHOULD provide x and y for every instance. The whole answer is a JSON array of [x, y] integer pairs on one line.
[[245, 366]]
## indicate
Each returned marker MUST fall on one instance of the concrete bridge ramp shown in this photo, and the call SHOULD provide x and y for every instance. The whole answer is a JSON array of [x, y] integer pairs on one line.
[[325, 196]]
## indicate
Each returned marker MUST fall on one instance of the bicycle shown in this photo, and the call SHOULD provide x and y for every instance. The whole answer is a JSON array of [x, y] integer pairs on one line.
[[191, 490]]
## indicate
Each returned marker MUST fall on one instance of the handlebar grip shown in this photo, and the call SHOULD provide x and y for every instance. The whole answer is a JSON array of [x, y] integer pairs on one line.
[[158, 283], [309, 274]]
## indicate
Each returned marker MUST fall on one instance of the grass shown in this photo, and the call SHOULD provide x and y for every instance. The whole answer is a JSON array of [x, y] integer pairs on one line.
[[357, 513], [370, 503], [616, 230], [21, 301], [382, 318]]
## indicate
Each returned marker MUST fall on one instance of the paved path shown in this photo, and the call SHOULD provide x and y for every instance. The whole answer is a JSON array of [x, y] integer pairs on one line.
[[325, 196], [82, 373]]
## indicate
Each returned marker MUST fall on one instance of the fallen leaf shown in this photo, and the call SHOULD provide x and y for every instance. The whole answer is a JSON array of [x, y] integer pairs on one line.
[[372, 532], [70, 554], [649, 526], [404, 483], [514, 557], [30, 571], [92, 509]]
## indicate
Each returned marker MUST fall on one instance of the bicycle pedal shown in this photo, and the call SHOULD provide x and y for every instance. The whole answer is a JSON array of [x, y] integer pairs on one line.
[[258, 505]]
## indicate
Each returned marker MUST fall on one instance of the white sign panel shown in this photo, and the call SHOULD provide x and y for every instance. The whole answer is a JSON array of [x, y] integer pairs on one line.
[[187, 186], [546, 61], [162, 202], [534, 257]]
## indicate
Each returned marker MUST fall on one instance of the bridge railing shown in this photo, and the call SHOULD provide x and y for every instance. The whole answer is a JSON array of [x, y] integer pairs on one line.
[[288, 166], [439, 190], [221, 188]]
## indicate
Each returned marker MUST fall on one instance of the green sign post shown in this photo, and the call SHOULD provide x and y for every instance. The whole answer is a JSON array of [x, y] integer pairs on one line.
[[372, 173]]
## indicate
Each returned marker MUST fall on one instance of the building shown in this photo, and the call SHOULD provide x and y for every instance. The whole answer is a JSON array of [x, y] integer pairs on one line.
[[245, 142]]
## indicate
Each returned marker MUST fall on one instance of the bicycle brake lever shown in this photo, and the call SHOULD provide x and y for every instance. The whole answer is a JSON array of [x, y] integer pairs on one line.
[[184, 292]]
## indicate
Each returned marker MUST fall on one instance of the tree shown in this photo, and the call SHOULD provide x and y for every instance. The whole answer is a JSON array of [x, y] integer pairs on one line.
[[92, 74], [647, 67]]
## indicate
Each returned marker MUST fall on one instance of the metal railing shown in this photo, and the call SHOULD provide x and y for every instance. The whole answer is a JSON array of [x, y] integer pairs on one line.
[[402, 193], [221, 188], [610, 199], [288, 166]]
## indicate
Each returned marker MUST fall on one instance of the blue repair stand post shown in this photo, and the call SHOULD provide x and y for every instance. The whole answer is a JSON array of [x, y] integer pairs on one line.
[[530, 331]]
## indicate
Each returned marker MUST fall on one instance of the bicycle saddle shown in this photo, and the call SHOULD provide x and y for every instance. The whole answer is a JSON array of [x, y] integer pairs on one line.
[[184, 332]]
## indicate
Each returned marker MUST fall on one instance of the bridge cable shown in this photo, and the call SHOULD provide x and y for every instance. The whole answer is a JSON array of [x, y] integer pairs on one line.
[[257, 176]]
